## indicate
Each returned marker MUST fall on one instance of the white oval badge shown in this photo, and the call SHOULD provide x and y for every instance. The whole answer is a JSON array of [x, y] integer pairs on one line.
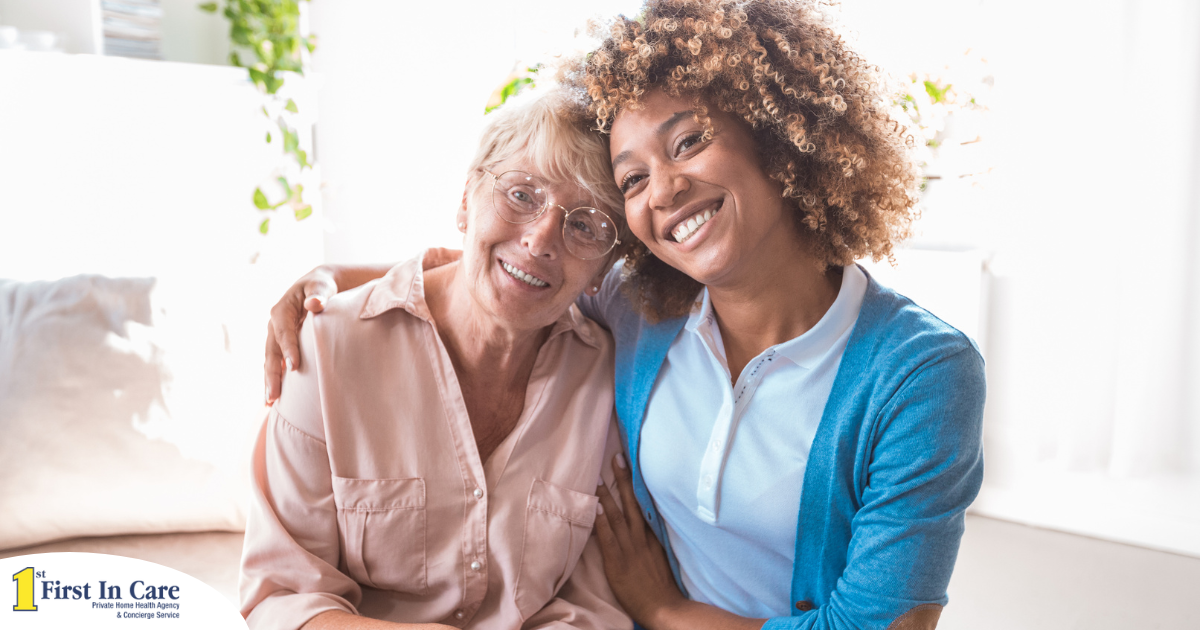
[[92, 590]]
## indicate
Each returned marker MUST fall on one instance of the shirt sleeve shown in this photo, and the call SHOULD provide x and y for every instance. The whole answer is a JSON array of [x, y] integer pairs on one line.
[[586, 600], [925, 469], [289, 568]]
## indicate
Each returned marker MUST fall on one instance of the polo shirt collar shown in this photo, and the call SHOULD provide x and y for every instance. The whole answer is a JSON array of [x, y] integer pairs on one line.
[[807, 349]]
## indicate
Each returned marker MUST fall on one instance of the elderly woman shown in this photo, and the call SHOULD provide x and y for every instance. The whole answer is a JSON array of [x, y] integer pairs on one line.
[[802, 442], [434, 457]]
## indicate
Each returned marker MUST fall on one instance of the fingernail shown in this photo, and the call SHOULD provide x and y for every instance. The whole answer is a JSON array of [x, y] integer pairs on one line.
[[599, 509], [288, 361], [620, 460]]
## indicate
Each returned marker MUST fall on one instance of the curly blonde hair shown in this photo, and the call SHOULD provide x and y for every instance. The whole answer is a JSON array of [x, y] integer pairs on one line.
[[819, 113]]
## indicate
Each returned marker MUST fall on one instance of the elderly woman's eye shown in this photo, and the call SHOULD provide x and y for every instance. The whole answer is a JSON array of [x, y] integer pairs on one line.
[[582, 229]]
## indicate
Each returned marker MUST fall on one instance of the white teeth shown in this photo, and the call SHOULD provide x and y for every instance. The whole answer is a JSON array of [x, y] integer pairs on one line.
[[686, 229], [523, 277]]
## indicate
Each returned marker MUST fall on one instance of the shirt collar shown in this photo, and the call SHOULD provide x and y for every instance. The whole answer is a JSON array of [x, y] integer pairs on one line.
[[809, 347], [403, 286]]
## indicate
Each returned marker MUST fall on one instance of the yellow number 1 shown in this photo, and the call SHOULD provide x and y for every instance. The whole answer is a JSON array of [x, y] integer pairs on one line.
[[24, 580]]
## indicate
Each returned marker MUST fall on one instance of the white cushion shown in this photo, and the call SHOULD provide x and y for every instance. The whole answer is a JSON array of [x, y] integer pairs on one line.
[[122, 410]]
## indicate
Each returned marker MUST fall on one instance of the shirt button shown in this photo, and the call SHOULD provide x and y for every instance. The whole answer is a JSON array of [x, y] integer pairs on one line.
[[478, 493], [804, 605], [716, 445], [476, 565], [708, 482], [459, 614]]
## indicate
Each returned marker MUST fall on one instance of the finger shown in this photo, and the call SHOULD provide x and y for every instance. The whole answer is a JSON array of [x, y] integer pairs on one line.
[[633, 513], [616, 520], [286, 318], [272, 368], [610, 549], [317, 293]]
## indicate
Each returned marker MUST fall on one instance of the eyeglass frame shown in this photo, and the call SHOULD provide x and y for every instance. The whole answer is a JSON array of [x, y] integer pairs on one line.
[[545, 206]]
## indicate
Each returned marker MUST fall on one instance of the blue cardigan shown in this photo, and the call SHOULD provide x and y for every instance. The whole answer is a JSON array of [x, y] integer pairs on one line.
[[896, 460]]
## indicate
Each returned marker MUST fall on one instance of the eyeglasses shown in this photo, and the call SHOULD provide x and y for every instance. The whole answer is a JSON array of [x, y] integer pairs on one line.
[[519, 198]]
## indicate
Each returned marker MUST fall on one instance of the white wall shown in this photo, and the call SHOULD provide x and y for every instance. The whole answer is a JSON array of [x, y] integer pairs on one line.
[[403, 87], [1091, 219]]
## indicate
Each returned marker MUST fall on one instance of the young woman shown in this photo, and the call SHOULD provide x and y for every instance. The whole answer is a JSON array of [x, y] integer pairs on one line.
[[802, 442]]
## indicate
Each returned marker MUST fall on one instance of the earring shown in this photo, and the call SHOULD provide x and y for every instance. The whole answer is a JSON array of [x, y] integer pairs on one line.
[[462, 226], [596, 289]]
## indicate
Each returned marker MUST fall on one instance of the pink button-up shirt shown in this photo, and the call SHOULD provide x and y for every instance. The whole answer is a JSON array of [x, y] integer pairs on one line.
[[370, 496]]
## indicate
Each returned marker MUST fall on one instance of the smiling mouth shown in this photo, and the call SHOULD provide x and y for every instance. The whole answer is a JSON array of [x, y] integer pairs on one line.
[[686, 229], [529, 279]]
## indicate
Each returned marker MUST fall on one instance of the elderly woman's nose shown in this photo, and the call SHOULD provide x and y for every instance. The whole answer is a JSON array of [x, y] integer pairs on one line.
[[543, 237], [665, 185]]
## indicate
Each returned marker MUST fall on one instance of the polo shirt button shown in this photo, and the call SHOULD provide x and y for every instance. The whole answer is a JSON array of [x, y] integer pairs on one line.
[[478, 493], [476, 565], [804, 605], [649, 516], [459, 614]]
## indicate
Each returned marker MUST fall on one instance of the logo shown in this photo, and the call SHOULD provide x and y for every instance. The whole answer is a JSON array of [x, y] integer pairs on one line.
[[73, 590]]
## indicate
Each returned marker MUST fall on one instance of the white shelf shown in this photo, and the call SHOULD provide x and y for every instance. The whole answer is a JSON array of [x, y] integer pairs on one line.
[[189, 34]]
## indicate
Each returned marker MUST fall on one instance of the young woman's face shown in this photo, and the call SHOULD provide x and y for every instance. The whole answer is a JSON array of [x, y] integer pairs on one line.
[[705, 207], [522, 274]]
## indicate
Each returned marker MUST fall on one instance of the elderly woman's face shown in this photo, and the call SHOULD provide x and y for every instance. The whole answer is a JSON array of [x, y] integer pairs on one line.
[[523, 273], [703, 206]]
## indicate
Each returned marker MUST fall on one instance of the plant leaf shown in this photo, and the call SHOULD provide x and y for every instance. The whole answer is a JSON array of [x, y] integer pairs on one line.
[[291, 106], [210, 7], [291, 141], [268, 137], [303, 212], [260, 200], [264, 226]]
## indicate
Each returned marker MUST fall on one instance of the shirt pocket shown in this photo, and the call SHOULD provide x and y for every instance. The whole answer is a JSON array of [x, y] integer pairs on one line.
[[558, 522], [382, 525]]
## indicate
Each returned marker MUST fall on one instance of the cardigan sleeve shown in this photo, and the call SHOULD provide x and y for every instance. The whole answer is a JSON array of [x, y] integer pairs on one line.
[[597, 307], [925, 468]]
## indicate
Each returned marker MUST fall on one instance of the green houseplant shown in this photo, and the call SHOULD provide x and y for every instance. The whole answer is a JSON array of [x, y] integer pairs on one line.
[[268, 42]]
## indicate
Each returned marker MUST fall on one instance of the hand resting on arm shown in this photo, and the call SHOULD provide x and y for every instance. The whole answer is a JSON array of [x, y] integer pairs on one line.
[[308, 294], [637, 569]]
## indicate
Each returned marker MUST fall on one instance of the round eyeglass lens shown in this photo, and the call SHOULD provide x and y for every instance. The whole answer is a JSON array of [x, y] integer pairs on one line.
[[589, 233], [519, 197]]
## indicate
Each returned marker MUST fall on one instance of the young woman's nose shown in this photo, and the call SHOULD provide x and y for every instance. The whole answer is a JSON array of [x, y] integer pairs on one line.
[[666, 184]]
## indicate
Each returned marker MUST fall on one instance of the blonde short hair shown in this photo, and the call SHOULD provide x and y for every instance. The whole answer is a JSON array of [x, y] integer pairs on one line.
[[550, 128]]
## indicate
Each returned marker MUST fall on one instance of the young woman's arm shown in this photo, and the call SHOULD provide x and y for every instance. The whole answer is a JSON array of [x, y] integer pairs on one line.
[[637, 569], [308, 294]]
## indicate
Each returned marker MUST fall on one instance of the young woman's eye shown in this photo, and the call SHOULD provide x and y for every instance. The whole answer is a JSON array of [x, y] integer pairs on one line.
[[689, 141], [629, 181]]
